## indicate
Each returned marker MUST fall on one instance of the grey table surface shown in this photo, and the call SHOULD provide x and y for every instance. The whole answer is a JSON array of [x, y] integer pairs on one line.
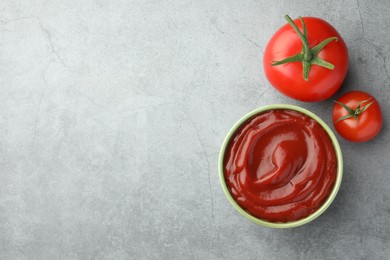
[[112, 114]]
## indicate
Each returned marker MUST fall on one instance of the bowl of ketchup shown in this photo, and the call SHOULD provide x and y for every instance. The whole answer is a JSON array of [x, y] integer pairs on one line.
[[280, 166]]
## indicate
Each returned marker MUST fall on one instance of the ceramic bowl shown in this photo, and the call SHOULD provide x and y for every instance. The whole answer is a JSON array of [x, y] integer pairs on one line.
[[334, 190]]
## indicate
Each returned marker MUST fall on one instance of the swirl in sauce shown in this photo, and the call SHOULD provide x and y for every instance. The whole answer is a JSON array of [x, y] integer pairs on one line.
[[280, 166]]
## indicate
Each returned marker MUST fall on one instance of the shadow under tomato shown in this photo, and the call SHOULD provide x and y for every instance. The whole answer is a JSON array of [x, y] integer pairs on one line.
[[350, 82]]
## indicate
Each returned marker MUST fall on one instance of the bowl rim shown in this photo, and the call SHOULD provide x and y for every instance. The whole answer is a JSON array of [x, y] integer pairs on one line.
[[335, 188]]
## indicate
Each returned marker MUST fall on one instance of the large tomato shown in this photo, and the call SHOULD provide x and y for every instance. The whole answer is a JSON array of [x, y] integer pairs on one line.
[[357, 116], [306, 59]]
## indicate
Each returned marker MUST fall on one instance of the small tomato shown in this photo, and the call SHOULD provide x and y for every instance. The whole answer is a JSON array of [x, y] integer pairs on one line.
[[357, 116]]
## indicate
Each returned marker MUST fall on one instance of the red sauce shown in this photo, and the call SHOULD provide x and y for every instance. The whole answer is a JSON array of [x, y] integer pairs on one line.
[[280, 166]]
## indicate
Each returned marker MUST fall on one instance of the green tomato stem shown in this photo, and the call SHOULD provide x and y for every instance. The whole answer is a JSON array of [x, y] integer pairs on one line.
[[354, 112], [307, 53], [308, 56]]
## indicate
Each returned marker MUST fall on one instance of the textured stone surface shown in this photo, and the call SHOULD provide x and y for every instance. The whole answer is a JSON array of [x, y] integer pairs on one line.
[[113, 113]]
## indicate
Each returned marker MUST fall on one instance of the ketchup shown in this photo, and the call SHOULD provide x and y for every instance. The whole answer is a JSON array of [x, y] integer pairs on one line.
[[280, 166]]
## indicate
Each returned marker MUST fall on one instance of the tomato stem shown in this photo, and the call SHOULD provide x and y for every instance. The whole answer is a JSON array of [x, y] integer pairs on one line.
[[308, 56], [354, 112], [306, 53]]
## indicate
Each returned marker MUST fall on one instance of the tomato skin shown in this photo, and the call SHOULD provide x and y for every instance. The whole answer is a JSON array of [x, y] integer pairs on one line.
[[369, 122], [288, 79]]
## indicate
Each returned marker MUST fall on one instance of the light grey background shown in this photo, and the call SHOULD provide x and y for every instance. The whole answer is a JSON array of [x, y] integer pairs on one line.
[[112, 114]]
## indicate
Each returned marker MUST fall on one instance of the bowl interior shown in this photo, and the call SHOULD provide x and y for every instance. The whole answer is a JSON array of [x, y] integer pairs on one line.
[[336, 185]]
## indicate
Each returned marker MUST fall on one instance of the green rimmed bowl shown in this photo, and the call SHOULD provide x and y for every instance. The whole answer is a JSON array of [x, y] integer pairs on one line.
[[335, 188]]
